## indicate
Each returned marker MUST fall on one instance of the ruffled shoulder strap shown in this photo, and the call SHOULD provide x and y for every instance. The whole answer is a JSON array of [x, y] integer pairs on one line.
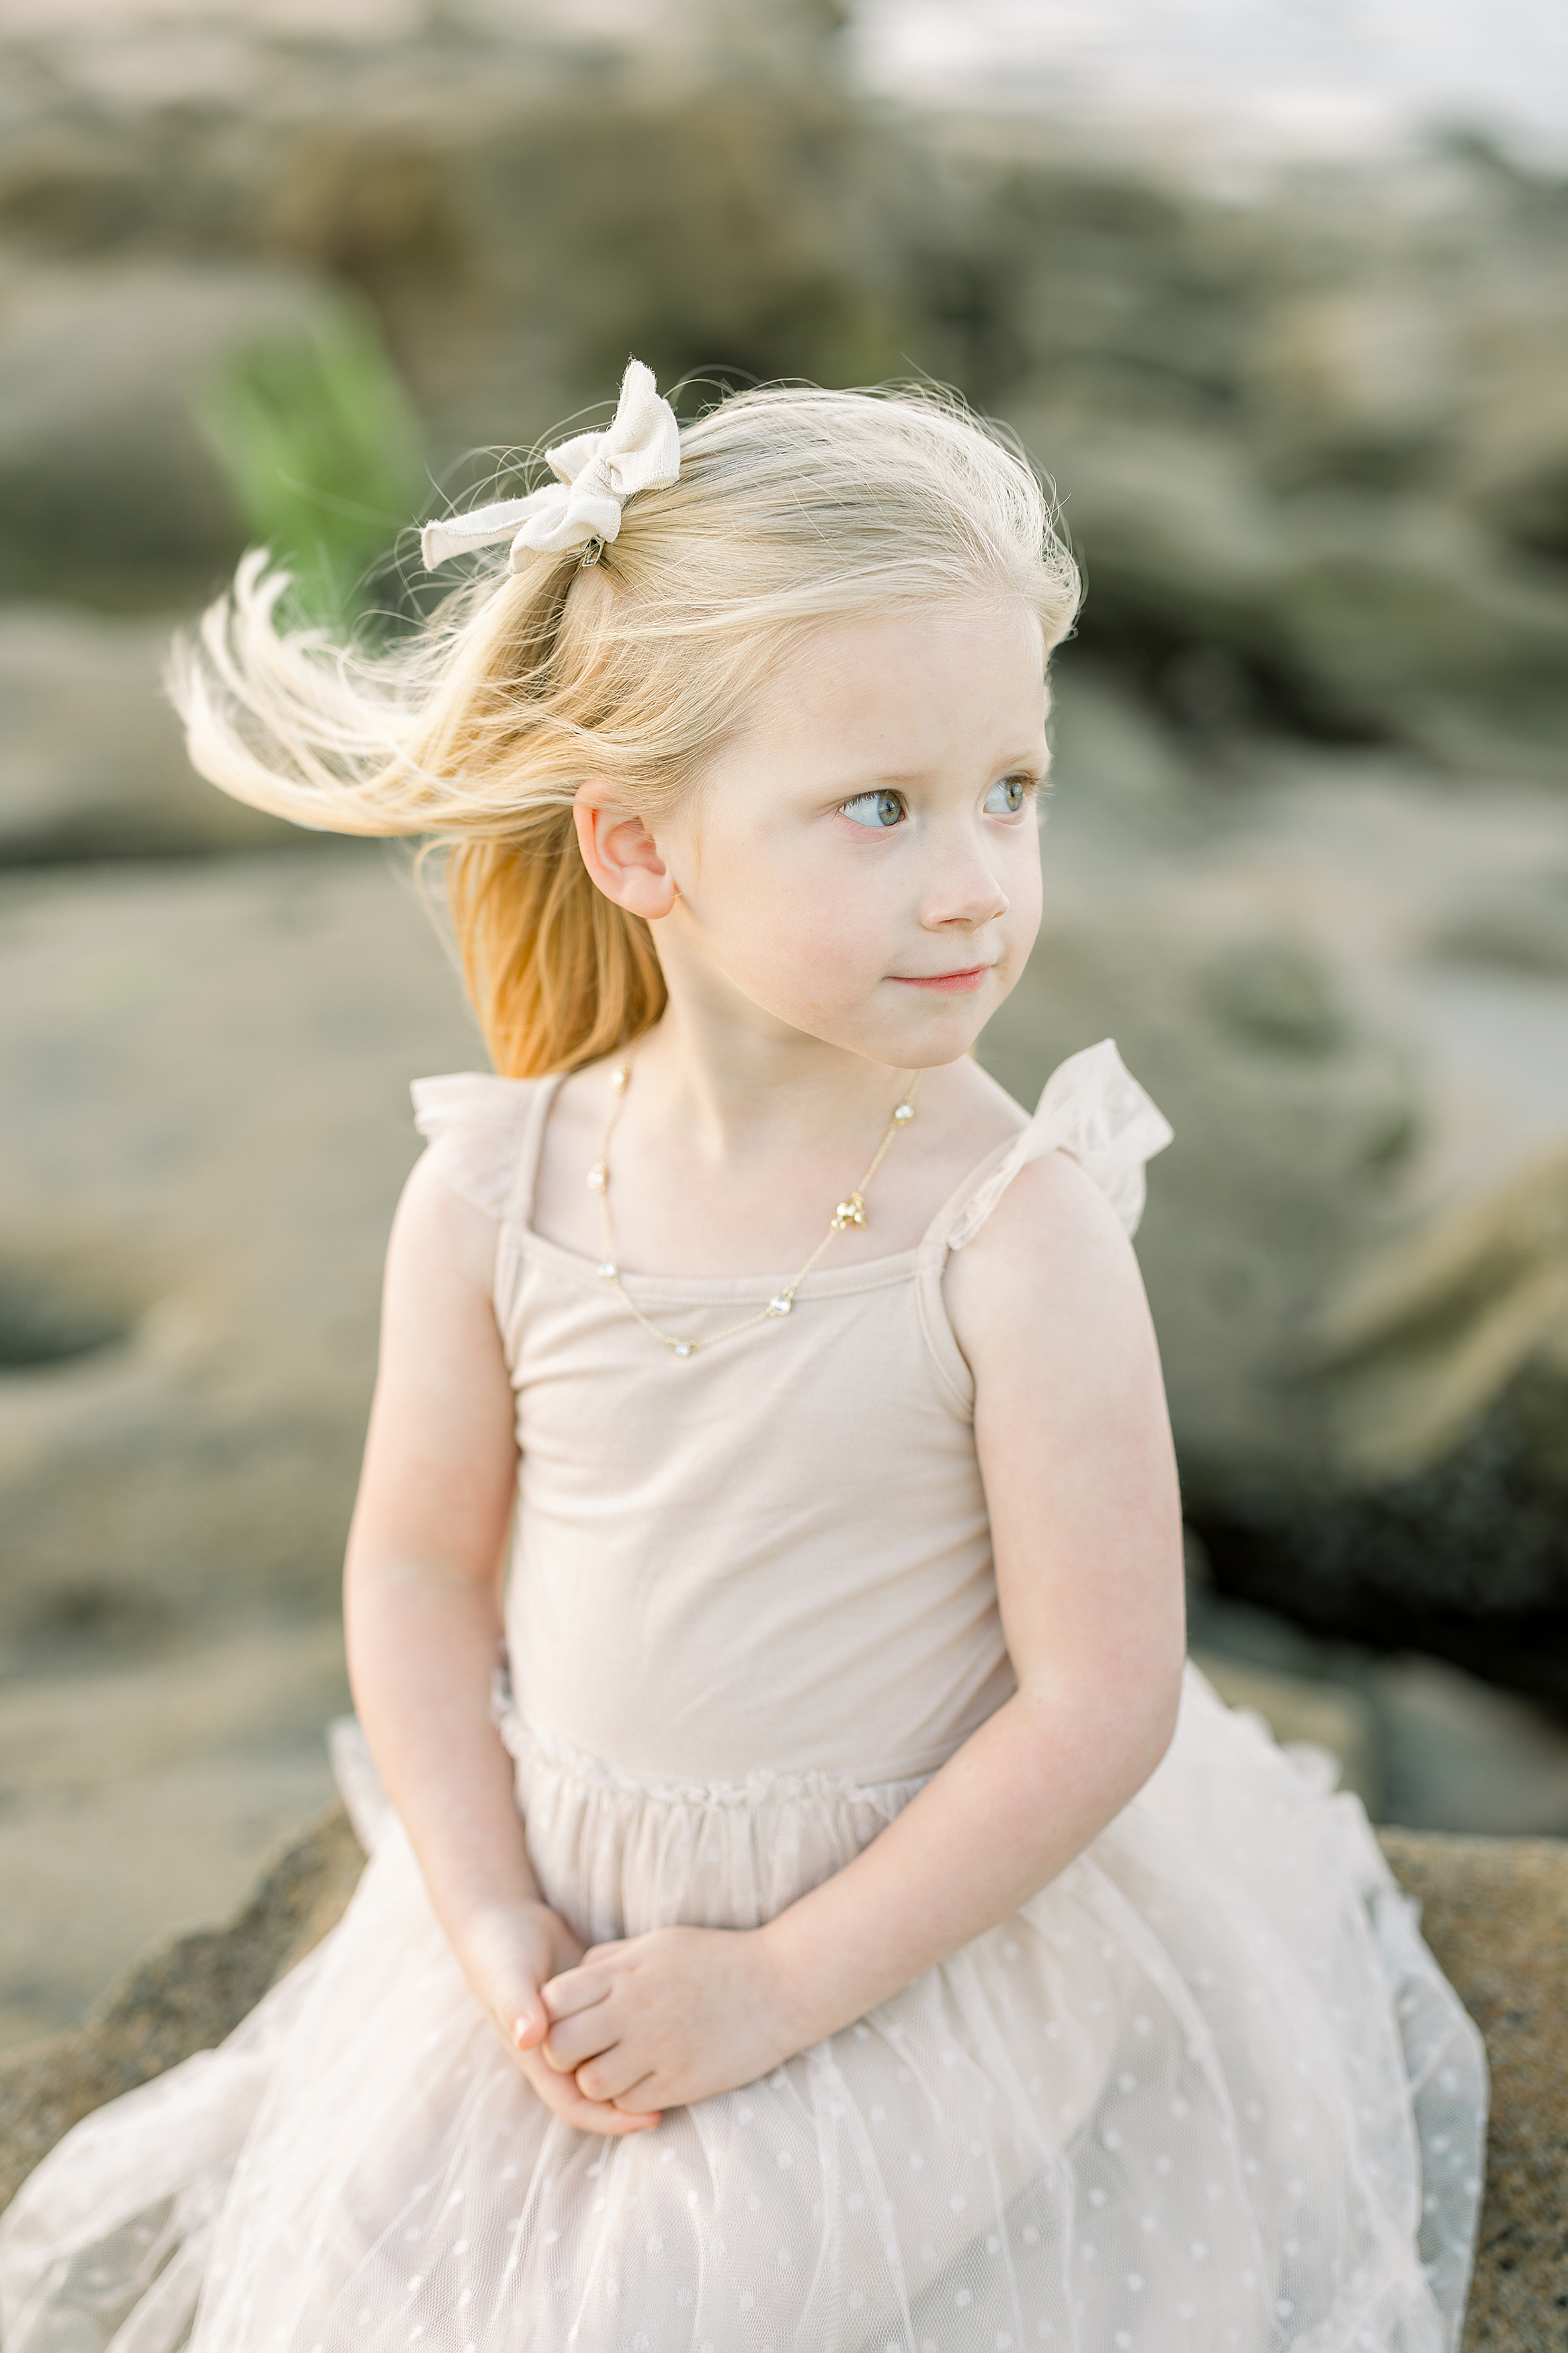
[[477, 1124], [1093, 1107]]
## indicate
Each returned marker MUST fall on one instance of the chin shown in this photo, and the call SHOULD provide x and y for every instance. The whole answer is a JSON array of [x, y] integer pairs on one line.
[[930, 1045]]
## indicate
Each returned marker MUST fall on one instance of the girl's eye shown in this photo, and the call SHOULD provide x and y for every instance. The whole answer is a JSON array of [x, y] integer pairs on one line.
[[874, 808], [1006, 797]]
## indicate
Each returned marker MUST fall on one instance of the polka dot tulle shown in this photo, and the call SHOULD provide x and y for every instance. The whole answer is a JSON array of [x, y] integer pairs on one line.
[[1206, 2090]]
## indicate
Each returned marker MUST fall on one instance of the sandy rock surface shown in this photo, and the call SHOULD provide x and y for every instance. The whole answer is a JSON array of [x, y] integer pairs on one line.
[[184, 1996], [92, 762], [1495, 1912], [207, 1093], [143, 1794], [1496, 1269]]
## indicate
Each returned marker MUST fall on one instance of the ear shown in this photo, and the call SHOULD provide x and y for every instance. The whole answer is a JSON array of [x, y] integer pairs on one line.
[[620, 853]]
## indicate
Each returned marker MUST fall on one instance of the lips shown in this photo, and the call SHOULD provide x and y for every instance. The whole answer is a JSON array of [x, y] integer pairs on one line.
[[969, 977]]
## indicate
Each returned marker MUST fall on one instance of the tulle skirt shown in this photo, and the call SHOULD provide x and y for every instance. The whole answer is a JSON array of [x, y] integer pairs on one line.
[[1207, 2089]]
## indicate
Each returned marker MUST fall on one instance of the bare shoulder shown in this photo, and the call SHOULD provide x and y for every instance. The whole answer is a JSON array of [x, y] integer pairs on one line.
[[440, 1242], [1051, 1268], [440, 1459]]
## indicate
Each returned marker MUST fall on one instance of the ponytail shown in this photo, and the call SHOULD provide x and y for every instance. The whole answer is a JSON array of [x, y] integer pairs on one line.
[[558, 974]]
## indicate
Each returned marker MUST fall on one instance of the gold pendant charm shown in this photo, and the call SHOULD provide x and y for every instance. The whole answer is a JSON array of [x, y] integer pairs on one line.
[[850, 1211]]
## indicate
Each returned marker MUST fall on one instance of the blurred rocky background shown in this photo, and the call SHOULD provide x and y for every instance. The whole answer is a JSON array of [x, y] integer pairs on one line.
[[278, 273]]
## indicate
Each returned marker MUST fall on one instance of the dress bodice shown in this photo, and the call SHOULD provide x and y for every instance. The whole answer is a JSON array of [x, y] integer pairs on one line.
[[771, 1557]]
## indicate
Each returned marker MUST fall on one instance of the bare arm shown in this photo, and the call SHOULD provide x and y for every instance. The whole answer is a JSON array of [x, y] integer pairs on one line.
[[423, 1610], [1080, 1487], [1075, 1451]]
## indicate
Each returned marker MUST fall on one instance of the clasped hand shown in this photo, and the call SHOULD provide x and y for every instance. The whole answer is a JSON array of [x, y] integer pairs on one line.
[[659, 2020], [611, 2036]]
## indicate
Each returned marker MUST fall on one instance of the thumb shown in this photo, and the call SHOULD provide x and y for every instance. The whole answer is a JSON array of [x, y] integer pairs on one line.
[[530, 2021]]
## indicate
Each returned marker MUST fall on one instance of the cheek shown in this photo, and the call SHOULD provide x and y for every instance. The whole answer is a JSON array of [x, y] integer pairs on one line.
[[813, 926], [1024, 882]]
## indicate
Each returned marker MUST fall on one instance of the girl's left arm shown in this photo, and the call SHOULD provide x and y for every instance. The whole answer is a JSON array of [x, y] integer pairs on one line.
[[1075, 1451]]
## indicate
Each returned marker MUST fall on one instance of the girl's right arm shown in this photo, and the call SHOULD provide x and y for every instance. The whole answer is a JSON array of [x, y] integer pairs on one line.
[[423, 1609]]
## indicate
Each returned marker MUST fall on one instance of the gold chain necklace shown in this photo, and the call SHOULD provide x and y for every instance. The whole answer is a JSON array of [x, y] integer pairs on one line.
[[849, 1212]]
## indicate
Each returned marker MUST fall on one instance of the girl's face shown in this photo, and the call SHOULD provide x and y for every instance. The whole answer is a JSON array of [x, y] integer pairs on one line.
[[862, 863]]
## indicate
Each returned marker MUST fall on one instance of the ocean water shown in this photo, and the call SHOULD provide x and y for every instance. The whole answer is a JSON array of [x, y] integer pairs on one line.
[[1264, 76], [1260, 78]]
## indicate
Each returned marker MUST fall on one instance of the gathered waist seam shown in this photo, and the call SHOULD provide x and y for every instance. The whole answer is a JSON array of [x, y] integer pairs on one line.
[[765, 1786]]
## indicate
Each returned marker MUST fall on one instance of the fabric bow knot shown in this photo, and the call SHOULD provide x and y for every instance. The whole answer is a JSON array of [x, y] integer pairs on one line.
[[595, 473]]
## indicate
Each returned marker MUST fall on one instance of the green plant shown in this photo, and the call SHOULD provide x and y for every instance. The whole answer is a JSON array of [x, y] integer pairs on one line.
[[322, 451]]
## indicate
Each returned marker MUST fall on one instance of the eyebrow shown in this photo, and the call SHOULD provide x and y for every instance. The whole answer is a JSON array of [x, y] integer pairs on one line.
[[1038, 755]]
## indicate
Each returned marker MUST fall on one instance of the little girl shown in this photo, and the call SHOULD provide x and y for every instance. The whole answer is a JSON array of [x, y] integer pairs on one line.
[[844, 1925]]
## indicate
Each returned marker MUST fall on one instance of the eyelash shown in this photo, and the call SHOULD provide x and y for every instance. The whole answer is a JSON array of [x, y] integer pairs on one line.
[[1028, 784]]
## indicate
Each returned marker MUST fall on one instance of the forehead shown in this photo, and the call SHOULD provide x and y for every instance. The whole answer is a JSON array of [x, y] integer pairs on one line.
[[945, 666]]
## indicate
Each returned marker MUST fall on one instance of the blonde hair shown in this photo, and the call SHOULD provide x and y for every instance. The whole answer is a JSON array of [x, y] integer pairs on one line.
[[793, 508]]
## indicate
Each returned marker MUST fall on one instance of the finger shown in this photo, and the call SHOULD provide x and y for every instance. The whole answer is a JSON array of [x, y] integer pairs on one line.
[[637, 2099], [515, 2003], [530, 2024], [508, 1960], [572, 1990], [611, 2073], [560, 2095], [571, 2040]]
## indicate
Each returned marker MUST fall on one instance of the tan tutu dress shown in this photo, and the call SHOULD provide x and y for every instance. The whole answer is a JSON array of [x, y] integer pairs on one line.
[[1207, 2090]]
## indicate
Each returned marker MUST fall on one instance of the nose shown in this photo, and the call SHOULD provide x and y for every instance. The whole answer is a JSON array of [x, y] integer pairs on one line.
[[963, 893]]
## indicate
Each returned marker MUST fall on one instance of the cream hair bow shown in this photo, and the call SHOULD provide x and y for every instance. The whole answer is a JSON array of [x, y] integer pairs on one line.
[[597, 474]]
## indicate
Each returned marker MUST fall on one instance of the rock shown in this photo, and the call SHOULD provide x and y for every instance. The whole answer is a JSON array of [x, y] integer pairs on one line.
[[1467, 1322], [1349, 612], [1289, 428], [1423, 1743], [107, 486], [760, 235], [1434, 1511], [1124, 789], [1323, 1715], [143, 1794], [1401, 618], [1460, 1755], [184, 1996], [1315, 442], [1495, 1913], [1294, 1116], [203, 1075], [92, 763], [1259, 931], [1521, 927], [1358, 381]]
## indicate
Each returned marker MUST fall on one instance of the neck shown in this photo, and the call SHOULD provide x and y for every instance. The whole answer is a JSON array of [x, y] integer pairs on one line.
[[738, 1088]]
